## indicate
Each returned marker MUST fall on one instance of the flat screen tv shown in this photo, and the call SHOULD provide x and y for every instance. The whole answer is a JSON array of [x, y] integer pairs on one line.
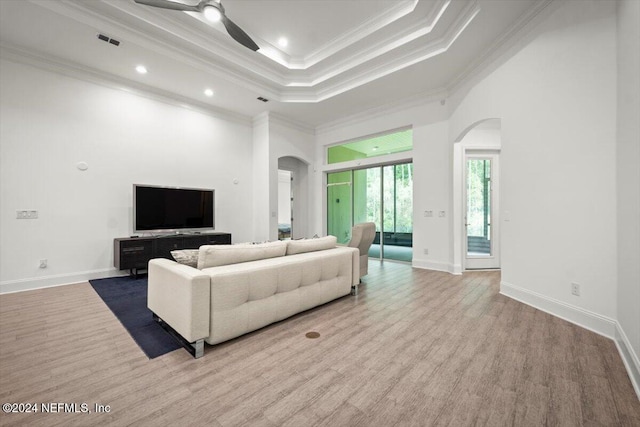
[[172, 209]]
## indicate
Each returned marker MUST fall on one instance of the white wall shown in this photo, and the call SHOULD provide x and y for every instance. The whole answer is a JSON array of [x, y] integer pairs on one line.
[[51, 122], [262, 186], [556, 99], [628, 180], [274, 138], [290, 140], [432, 191]]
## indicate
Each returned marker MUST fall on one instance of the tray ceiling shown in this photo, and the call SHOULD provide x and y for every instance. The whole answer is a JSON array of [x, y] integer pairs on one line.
[[343, 56]]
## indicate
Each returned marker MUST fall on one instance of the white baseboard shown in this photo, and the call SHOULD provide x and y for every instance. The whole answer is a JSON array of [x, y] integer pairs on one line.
[[594, 322], [587, 319], [629, 358], [456, 269], [434, 265], [28, 284]]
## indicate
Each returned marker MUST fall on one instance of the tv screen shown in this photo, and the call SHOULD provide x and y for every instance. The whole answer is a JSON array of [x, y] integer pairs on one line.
[[158, 209]]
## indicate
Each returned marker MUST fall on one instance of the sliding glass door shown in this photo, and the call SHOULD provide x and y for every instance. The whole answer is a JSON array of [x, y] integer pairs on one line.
[[382, 195], [339, 205]]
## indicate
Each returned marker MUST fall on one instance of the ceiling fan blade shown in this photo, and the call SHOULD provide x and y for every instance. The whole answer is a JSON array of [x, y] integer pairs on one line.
[[234, 31], [238, 35], [166, 4]]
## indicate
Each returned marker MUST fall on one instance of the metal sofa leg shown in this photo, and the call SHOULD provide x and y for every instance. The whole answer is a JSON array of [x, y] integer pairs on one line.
[[354, 290], [196, 348]]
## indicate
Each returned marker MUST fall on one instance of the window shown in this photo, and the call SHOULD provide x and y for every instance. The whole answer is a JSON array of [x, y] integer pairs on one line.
[[381, 145], [382, 195]]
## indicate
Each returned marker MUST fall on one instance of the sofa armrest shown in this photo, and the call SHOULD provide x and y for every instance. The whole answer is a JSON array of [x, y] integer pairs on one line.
[[355, 263], [180, 296]]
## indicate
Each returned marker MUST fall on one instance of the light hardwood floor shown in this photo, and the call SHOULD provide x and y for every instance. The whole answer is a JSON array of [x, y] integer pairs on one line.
[[415, 347]]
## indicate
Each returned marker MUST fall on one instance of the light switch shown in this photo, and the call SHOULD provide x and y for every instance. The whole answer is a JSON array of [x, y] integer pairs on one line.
[[27, 214]]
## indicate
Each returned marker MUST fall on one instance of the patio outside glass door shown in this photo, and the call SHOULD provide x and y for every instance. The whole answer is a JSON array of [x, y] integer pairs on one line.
[[482, 248], [382, 195]]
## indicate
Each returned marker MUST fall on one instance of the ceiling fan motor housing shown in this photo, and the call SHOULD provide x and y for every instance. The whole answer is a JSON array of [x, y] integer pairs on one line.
[[213, 11]]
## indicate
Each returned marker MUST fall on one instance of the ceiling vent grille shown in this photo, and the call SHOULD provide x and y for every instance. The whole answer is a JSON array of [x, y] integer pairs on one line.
[[109, 40], [260, 98]]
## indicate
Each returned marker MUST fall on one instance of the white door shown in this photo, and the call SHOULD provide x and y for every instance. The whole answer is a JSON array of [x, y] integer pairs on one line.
[[481, 237]]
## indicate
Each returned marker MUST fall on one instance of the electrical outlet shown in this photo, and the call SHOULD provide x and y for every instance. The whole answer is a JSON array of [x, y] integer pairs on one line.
[[441, 214], [426, 251], [575, 289], [43, 263], [428, 213]]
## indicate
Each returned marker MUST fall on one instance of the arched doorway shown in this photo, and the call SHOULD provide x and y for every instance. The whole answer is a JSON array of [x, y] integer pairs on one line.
[[292, 198], [477, 182]]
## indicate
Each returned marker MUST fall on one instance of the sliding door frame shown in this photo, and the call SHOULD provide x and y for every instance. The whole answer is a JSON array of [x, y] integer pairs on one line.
[[379, 166]]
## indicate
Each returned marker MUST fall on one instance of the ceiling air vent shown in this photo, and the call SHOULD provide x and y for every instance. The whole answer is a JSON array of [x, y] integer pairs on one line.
[[262, 99], [109, 40]]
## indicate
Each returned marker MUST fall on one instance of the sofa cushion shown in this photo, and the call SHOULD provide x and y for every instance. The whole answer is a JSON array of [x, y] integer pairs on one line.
[[186, 256], [216, 255], [311, 245]]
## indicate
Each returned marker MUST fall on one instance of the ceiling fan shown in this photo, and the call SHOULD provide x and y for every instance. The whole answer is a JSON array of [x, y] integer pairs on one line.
[[213, 11]]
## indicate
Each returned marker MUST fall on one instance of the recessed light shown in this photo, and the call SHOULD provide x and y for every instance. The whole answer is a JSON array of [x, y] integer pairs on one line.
[[283, 42], [141, 69], [208, 92]]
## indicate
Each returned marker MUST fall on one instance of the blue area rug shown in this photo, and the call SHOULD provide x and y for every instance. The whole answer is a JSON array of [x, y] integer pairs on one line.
[[127, 299]]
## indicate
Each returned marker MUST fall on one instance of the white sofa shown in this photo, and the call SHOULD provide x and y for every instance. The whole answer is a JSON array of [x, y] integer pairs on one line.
[[236, 289]]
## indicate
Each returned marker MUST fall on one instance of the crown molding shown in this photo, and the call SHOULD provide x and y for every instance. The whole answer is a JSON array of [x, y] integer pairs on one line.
[[223, 60], [271, 118], [384, 18], [102, 18], [281, 120], [50, 63], [414, 56], [219, 57], [375, 50], [505, 43], [501, 47], [260, 119], [374, 113], [398, 10]]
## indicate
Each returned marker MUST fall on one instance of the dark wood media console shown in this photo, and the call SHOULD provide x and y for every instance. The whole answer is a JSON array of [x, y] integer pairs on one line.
[[134, 253]]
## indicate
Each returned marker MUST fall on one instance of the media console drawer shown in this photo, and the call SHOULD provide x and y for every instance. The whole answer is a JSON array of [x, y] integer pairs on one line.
[[135, 252]]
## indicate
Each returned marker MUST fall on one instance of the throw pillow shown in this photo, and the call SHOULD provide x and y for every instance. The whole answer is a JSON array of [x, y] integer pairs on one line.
[[186, 256], [216, 255], [311, 245]]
